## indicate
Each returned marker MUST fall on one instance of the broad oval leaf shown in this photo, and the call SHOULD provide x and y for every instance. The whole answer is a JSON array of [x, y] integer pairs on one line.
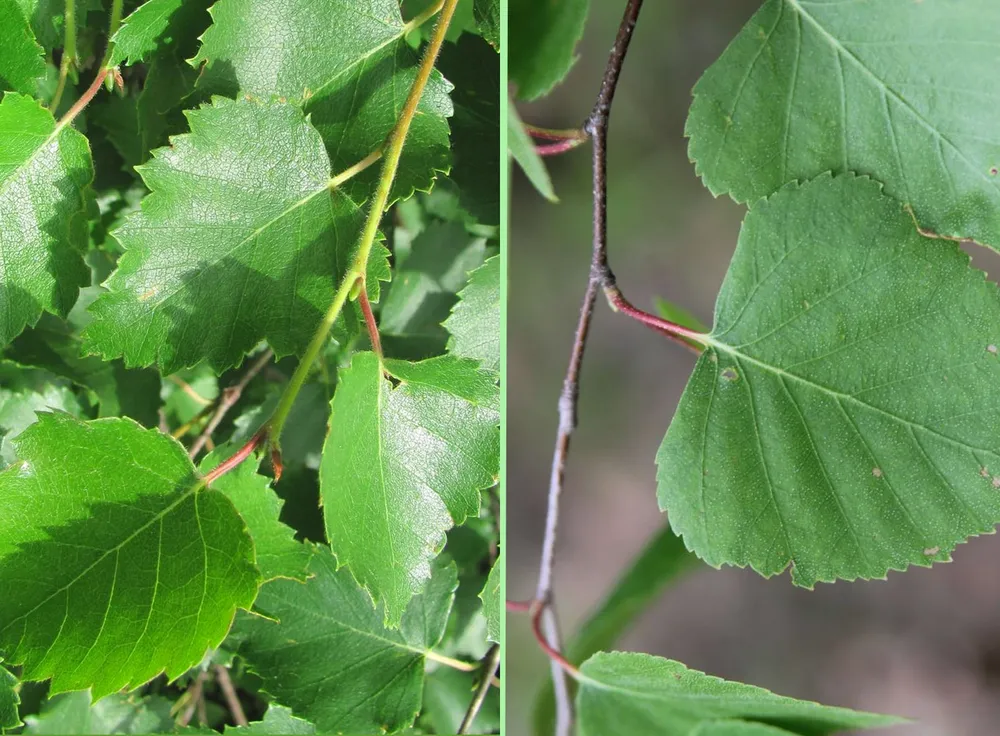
[[136, 569], [638, 694], [44, 172], [542, 41], [474, 319], [328, 655], [907, 92], [844, 416], [347, 64], [155, 25], [240, 240], [402, 464], [21, 58]]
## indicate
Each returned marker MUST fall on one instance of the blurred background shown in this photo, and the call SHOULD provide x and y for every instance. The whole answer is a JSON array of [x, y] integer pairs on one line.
[[925, 644]]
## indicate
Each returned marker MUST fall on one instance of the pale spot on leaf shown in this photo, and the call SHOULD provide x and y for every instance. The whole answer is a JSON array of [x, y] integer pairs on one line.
[[877, 472]]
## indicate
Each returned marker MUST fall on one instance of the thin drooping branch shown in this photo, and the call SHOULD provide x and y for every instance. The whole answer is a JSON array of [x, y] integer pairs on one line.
[[229, 693], [230, 396], [600, 278], [194, 695], [491, 662]]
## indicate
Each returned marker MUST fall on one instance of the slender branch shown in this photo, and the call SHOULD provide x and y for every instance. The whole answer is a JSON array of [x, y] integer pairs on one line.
[[69, 52], [491, 664], [230, 397], [567, 423], [356, 272], [229, 693], [195, 695], [189, 390], [84, 100], [366, 309], [601, 277]]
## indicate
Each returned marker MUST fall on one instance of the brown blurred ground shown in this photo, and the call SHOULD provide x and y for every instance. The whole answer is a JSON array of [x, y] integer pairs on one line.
[[925, 644]]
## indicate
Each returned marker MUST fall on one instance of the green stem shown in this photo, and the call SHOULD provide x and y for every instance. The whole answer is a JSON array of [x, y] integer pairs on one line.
[[356, 272], [421, 18], [69, 53], [116, 19]]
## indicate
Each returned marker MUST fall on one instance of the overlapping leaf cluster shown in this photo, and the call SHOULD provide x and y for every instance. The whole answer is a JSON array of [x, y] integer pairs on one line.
[[841, 420], [156, 245]]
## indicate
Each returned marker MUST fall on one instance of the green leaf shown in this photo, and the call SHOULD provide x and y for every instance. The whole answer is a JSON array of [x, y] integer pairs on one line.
[[841, 417], [154, 26], [23, 393], [493, 601], [278, 555], [474, 321], [487, 14], [522, 148], [9, 699], [43, 231], [542, 40], [474, 68], [662, 561], [427, 279], [447, 694], [329, 657], [119, 117], [48, 22], [277, 720], [169, 82], [73, 713], [347, 64], [122, 544], [55, 345], [21, 58], [241, 240], [431, 443], [875, 88], [638, 694]]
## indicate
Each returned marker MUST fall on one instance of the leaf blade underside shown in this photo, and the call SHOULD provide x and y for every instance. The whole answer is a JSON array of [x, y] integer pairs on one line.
[[841, 417]]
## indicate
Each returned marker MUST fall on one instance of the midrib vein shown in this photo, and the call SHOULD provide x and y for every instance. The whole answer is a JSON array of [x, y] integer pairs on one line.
[[143, 527], [347, 627], [359, 60], [739, 356], [242, 243]]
